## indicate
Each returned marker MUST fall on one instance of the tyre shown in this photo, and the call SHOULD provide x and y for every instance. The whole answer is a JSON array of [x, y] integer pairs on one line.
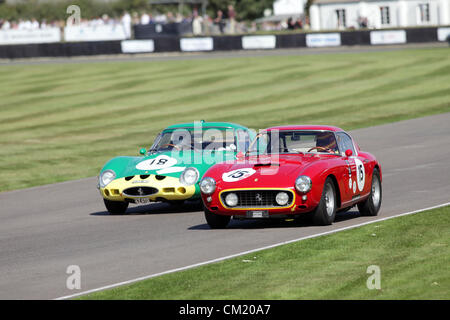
[[325, 212], [116, 207], [372, 204], [216, 221]]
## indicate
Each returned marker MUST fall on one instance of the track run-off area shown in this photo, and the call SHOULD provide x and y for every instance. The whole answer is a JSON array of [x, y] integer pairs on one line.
[[45, 229]]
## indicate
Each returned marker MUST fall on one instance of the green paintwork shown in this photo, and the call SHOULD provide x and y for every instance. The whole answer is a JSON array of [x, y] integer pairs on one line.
[[125, 166]]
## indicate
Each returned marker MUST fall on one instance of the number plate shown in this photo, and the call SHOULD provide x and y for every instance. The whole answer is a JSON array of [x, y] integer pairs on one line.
[[258, 214], [142, 200]]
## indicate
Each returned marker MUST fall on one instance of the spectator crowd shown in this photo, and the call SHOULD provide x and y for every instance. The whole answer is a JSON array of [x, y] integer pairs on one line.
[[224, 22]]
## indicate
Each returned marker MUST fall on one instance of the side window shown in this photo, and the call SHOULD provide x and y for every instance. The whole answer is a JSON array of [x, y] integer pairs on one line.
[[243, 140], [345, 143]]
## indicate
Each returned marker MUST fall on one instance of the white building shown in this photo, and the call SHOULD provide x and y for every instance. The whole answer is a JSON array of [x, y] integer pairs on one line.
[[288, 7], [343, 14]]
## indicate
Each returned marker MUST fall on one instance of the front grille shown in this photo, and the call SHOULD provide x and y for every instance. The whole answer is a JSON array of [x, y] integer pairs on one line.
[[140, 191], [257, 198]]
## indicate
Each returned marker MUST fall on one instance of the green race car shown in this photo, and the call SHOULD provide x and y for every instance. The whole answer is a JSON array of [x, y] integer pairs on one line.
[[170, 169]]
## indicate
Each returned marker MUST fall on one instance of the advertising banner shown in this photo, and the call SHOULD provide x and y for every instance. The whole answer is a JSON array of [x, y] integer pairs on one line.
[[388, 37], [95, 33], [259, 42], [196, 44], [323, 39], [443, 34], [137, 46], [47, 35]]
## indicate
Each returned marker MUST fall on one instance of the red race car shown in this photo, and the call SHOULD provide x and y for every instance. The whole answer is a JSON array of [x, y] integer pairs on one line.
[[292, 170]]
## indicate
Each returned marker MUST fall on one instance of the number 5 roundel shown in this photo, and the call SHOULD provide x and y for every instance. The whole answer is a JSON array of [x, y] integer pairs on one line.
[[238, 174], [360, 174]]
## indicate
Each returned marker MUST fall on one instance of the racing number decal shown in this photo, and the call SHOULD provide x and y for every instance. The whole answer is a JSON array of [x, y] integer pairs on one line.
[[360, 176], [157, 163], [236, 175]]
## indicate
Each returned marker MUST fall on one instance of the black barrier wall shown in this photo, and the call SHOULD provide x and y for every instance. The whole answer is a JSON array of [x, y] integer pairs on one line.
[[167, 43], [60, 49]]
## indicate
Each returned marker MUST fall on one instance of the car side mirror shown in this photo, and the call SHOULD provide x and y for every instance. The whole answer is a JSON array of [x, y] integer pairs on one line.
[[240, 156], [143, 151], [348, 152]]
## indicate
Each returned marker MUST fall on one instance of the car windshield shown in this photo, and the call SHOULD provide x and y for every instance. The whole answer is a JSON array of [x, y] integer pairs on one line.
[[212, 138], [286, 141]]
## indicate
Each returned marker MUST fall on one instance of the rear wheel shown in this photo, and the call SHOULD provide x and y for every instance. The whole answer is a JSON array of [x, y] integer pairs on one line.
[[216, 221], [372, 204], [116, 207], [325, 212]]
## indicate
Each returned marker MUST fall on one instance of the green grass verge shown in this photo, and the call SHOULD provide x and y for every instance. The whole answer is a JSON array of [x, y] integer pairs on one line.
[[412, 253], [64, 121]]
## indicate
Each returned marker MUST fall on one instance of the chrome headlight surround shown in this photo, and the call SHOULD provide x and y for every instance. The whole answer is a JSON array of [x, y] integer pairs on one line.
[[303, 184], [207, 185], [189, 176], [106, 177]]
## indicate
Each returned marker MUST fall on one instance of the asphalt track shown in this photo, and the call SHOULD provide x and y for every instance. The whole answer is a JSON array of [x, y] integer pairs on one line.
[[45, 229]]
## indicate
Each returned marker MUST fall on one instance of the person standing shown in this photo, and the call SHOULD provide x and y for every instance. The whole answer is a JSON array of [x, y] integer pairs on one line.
[[219, 20], [232, 19]]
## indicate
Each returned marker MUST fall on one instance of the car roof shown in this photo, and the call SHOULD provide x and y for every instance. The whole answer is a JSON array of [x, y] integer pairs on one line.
[[204, 124], [306, 127]]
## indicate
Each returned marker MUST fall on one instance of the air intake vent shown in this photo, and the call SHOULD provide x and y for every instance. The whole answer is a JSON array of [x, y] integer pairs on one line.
[[140, 191]]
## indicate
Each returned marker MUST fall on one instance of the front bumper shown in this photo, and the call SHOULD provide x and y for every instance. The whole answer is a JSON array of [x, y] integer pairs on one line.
[[163, 189], [299, 203]]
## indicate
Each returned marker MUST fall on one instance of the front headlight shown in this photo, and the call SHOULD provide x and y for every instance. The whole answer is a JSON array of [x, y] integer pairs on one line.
[[208, 185], [303, 184], [189, 176], [106, 177]]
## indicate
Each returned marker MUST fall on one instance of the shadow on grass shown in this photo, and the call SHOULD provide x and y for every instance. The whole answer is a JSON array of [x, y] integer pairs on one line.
[[303, 221], [156, 208]]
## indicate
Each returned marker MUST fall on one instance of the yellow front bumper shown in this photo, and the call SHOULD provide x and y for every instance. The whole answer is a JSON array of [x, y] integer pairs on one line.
[[169, 188]]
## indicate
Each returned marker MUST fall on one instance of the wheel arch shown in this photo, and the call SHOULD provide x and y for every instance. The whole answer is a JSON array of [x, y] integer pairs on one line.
[[338, 190]]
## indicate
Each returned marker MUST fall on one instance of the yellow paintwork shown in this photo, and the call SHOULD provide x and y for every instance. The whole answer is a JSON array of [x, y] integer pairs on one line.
[[169, 188], [256, 189]]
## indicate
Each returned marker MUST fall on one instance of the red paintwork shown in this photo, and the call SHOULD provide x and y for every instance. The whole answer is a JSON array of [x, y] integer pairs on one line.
[[287, 168]]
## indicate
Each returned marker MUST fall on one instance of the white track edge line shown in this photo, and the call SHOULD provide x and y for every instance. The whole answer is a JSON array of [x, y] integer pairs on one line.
[[246, 252]]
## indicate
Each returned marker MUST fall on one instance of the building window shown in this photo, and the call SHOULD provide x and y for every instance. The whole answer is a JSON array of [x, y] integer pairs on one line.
[[385, 16], [424, 12], [340, 14]]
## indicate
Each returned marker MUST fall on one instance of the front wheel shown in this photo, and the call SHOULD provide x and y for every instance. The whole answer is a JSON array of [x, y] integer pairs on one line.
[[116, 207], [372, 204], [326, 210], [216, 221]]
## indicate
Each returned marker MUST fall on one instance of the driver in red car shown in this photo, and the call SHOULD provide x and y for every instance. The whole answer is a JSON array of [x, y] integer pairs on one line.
[[326, 142]]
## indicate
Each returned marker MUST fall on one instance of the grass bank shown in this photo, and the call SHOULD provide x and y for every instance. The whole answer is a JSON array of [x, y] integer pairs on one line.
[[63, 121]]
